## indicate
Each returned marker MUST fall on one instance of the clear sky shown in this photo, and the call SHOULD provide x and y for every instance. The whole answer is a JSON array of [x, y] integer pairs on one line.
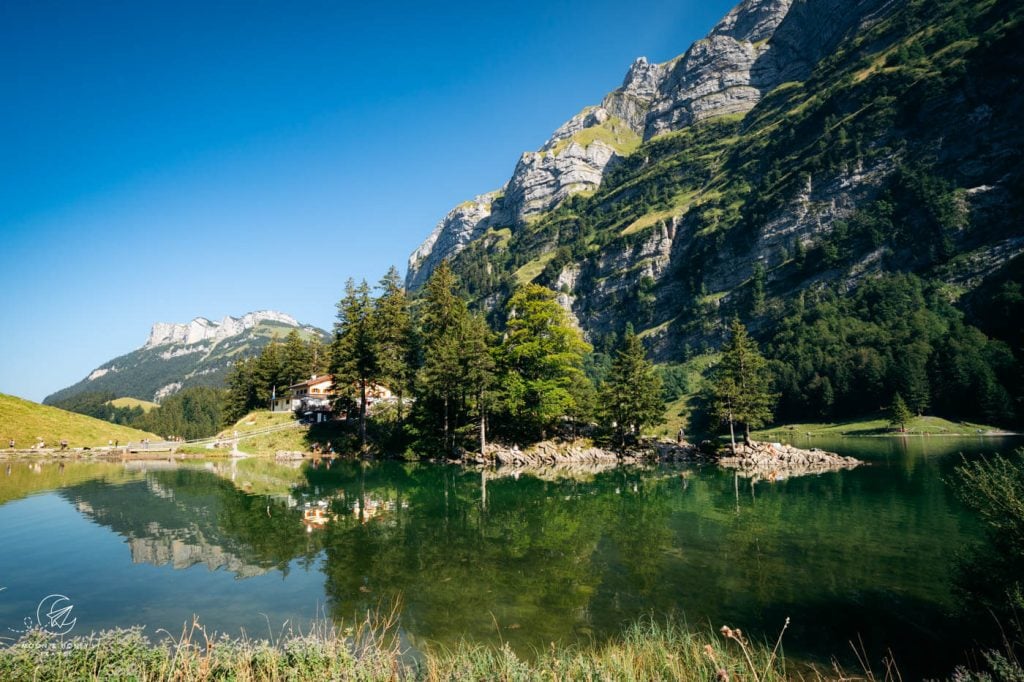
[[161, 161]]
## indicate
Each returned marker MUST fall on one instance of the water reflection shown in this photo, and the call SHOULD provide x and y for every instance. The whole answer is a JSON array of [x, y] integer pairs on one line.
[[533, 559]]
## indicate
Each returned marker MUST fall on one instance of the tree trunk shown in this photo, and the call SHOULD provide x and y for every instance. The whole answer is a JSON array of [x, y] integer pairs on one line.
[[362, 412], [483, 424], [732, 434], [446, 425]]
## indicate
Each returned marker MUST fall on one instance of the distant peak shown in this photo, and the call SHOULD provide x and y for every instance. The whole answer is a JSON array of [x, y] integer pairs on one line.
[[202, 329]]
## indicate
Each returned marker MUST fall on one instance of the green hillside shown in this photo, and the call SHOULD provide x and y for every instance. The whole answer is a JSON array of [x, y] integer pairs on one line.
[[146, 405], [27, 422], [869, 244]]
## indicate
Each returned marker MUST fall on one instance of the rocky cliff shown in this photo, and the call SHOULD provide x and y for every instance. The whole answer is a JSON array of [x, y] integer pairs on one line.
[[724, 73], [178, 355], [202, 329], [800, 145]]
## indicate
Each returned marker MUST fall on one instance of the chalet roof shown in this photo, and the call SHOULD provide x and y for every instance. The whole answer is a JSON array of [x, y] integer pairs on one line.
[[312, 382]]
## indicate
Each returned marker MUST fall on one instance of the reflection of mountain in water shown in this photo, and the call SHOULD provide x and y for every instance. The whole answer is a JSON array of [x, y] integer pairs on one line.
[[186, 518]]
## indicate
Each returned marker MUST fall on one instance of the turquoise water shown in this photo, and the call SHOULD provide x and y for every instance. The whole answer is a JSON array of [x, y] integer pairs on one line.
[[864, 555]]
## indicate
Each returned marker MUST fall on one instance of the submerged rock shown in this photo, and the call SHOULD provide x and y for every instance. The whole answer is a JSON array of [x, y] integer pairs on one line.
[[776, 461]]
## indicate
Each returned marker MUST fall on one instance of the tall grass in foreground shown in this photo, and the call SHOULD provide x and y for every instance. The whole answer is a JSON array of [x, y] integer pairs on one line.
[[648, 650]]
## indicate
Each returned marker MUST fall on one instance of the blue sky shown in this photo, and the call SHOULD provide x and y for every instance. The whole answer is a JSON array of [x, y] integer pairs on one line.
[[163, 161]]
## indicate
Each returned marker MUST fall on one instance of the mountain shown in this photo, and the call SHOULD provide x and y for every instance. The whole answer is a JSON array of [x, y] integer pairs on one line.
[[845, 176], [799, 146], [196, 353]]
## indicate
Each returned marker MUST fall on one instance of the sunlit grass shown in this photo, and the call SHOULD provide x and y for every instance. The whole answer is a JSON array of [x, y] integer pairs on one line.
[[26, 422], [372, 650]]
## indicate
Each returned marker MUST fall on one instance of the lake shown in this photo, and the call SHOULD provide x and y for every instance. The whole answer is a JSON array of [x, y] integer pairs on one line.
[[257, 547]]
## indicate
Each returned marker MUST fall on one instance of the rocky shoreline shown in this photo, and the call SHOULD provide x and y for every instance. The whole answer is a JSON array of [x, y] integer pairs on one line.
[[776, 461], [764, 461]]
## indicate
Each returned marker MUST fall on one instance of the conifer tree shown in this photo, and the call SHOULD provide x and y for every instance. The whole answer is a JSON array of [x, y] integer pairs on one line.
[[478, 368], [242, 382], [393, 325], [354, 356], [319, 356], [442, 319], [741, 389], [632, 394], [296, 363], [899, 414], [270, 372], [543, 358]]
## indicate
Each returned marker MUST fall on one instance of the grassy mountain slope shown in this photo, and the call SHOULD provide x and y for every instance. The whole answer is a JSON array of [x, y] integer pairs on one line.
[[901, 152], [146, 405], [25, 422]]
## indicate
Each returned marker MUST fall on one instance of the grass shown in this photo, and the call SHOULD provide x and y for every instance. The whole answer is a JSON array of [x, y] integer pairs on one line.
[[680, 205], [26, 422], [499, 238], [298, 439], [647, 650], [267, 443], [614, 132], [528, 272], [133, 402], [257, 421], [879, 426]]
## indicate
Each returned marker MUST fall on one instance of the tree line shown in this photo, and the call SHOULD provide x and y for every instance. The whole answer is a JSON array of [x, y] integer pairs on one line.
[[469, 380], [459, 379]]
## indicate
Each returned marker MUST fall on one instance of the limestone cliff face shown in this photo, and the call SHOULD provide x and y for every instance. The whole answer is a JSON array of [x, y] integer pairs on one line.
[[722, 74], [463, 224], [572, 160], [632, 101], [563, 166], [201, 329]]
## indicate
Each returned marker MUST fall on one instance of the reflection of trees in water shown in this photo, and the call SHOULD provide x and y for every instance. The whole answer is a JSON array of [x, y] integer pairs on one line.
[[553, 560], [867, 551], [187, 517]]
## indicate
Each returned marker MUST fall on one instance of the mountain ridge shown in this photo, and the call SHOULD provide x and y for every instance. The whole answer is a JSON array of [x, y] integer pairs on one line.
[[869, 152], [178, 355], [725, 73]]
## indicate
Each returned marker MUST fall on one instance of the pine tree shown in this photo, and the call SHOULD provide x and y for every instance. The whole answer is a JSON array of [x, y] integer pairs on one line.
[[899, 414], [354, 355], [270, 372], [632, 394], [242, 382], [477, 368], [543, 357], [319, 356], [296, 362], [393, 325], [442, 319], [741, 389]]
